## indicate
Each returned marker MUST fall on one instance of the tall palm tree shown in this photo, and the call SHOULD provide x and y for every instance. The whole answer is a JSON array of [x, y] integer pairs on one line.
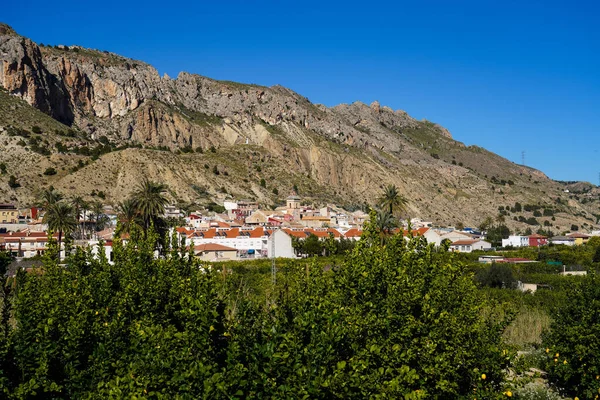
[[77, 202], [49, 197], [149, 201], [385, 223], [127, 215], [60, 218], [97, 210], [392, 200]]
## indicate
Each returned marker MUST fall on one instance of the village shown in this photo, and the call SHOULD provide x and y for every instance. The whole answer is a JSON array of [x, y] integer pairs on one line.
[[245, 231]]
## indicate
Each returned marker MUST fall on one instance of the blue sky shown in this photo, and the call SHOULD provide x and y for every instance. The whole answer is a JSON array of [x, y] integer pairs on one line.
[[510, 76]]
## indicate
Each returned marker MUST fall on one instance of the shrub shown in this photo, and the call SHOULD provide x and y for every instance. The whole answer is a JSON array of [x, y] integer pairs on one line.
[[574, 227], [572, 342], [275, 191], [36, 129], [215, 170], [50, 171], [263, 183], [496, 276], [13, 183], [394, 321], [2, 168]]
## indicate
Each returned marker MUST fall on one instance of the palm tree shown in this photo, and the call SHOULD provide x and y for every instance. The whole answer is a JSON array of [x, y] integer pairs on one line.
[[49, 197], [97, 210], [149, 201], [392, 200], [385, 223], [77, 202], [60, 218], [127, 215]]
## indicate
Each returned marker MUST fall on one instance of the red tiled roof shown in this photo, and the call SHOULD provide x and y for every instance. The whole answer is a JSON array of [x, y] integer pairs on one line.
[[463, 242], [212, 247], [353, 232]]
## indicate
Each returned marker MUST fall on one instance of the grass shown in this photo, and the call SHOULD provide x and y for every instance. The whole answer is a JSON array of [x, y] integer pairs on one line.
[[527, 328]]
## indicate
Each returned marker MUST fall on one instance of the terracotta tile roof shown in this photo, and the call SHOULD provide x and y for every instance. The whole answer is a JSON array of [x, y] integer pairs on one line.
[[536, 236], [464, 242], [578, 235], [353, 232], [298, 234], [212, 247], [258, 233]]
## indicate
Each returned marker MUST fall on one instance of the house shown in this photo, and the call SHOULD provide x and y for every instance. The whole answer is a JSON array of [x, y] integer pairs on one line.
[[454, 235], [279, 245], [9, 214], [536, 240], [580, 238], [258, 217], [569, 241], [315, 221], [469, 245], [516, 241], [215, 252]]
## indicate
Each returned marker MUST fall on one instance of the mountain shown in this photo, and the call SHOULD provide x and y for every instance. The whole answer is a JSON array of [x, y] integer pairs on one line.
[[106, 121]]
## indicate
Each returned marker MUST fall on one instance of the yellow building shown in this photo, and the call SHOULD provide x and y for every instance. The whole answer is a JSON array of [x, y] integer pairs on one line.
[[9, 214]]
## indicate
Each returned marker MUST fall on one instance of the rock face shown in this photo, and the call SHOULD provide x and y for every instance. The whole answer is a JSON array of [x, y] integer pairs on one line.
[[344, 153], [94, 90]]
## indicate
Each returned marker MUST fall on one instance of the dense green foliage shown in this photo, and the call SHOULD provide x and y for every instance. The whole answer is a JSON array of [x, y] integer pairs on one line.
[[573, 343], [389, 321]]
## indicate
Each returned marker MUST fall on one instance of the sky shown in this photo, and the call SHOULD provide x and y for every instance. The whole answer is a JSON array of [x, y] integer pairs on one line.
[[509, 76]]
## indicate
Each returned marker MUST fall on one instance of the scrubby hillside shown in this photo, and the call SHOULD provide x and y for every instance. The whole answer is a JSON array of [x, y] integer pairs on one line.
[[105, 121]]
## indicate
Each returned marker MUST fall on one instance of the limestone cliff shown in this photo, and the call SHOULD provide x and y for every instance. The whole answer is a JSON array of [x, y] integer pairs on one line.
[[233, 136]]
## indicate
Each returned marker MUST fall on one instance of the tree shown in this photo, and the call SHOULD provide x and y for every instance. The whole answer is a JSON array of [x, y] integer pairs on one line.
[[392, 201], [127, 216], [98, 211], [50, 197], [13, 183], [572, 340], [77, 202], [385, 222], [486, 223], [60, 218], [2, 168], [149, 201]]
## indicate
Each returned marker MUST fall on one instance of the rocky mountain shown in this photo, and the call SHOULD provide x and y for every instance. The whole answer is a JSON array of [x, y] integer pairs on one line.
[[102, 121]]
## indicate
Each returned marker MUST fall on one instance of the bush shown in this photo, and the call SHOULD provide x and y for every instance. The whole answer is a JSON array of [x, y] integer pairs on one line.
[[393, 321], [50, 171], [573, 341], [2, 168], [13, 183], [263, 183], [36, 129], [496, 276]]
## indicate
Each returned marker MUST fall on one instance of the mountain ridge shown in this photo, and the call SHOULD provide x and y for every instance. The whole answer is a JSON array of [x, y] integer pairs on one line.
[[345, 153]]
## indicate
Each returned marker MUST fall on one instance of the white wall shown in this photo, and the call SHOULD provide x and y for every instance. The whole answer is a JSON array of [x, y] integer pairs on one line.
[[280, 245]]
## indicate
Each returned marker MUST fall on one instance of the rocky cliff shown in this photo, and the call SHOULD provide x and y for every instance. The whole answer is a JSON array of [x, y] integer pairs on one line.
[[220, 138]]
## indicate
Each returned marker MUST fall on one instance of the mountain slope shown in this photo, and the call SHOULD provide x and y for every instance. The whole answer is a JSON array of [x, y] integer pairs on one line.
[[116, 120]]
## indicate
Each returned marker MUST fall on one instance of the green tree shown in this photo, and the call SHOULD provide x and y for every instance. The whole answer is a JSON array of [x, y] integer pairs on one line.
[[78, 204], [60, 217], [49, 197], [13, 183], [392, 201], [572, 340], [127, 216], [385, 223], [149, 201]]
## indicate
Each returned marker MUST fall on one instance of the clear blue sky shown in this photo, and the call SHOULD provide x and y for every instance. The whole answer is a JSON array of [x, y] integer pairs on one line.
[[510, 76]]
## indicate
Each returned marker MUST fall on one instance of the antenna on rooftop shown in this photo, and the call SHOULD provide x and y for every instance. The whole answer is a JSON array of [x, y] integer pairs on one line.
[[523, 158]]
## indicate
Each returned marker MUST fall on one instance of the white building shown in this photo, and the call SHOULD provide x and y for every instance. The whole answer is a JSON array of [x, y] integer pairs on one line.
[[516, 241], [279, 244]]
